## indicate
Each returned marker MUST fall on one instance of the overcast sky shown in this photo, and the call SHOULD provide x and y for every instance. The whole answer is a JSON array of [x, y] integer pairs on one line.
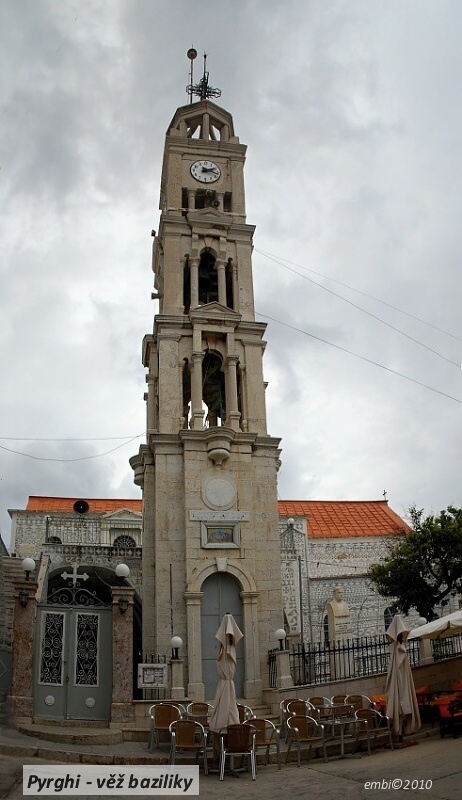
[[352, 115]]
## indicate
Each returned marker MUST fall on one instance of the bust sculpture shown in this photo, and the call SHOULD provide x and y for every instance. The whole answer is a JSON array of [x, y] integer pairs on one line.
[[337, 605]]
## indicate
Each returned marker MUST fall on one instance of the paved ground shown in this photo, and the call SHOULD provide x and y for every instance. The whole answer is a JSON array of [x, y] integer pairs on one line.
[[431, 769]]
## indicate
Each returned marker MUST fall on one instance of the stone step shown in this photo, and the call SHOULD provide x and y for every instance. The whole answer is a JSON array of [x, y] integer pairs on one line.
[[72, 735]]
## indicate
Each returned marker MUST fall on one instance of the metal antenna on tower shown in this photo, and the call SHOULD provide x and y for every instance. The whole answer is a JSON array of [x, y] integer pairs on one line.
[[192, 54], [201, 89]]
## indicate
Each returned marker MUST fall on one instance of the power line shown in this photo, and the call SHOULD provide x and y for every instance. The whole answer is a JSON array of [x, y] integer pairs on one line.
[[369, 314], [84, 439], [67, 460], [362, 358], [280, 261]]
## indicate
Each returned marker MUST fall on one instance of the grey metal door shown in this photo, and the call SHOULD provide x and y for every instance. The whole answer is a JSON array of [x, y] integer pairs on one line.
[[221, 596], [73, 663]]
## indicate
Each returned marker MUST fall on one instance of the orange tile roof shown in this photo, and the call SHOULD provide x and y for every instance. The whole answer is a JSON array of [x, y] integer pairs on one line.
[[328, 519], [96, 505], [334, 519]]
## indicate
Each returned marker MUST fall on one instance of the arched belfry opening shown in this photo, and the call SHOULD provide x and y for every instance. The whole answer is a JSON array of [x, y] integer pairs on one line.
[[208, 278], [213, 389]]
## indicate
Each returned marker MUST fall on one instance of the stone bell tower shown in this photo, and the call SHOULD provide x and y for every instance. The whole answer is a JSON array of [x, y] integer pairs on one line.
[[208, 469]]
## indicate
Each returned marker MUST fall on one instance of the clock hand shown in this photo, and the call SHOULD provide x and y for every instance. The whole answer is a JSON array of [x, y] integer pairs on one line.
[[209, 169]]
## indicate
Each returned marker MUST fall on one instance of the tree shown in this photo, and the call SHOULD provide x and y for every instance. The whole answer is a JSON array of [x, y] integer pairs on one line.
[[424, 567]]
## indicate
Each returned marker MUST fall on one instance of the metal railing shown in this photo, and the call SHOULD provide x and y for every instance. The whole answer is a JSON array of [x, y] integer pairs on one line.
[[447, 648], [322, 662]]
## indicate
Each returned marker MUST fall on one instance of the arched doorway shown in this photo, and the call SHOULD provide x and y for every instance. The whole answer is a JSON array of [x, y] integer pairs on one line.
[[221, 595]]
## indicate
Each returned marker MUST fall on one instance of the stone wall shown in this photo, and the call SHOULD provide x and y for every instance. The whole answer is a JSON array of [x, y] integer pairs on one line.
[[324, 564]]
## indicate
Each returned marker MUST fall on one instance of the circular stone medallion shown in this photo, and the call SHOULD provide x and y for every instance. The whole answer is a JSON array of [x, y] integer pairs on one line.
[[220, 493]]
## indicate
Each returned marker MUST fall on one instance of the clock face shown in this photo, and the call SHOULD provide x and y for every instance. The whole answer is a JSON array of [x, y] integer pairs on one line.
[[205, 171]]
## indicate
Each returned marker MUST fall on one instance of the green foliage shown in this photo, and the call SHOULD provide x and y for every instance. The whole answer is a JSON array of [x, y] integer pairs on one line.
[[424, 567]]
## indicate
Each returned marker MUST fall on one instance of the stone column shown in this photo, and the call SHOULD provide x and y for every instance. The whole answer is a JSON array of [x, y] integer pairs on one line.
[[197, 412], [235, 286], [20, 702], [284, 678], [151, 380], [425, 652], [253, 686], [233, 415], [193, 612], [177, 691], [122, 708], [191, 199], [221, 282], [194, 278]]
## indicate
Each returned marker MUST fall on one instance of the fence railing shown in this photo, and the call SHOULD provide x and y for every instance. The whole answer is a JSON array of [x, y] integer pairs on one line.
[[447, 648], [322, 662]]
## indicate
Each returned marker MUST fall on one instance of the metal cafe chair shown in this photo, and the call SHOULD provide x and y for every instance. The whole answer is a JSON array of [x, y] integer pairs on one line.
[[305, 730], [245, 712], [161, 716], [373, 726], [359, 701], [199, 711], [188, 736], [267, 736], [284, 714], [238, 740], [322, 705], [302, 708]]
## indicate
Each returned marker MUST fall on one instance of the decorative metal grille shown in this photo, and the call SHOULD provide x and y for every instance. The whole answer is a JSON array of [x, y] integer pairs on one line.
[[86, 660], [51, 662], [124, 541]]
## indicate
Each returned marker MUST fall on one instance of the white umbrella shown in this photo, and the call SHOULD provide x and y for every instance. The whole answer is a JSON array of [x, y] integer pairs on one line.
[[439, 628], [402, 707], [225, 707]]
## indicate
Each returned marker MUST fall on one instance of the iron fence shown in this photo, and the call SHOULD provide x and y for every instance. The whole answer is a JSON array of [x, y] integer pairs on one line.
[[322, 662], [447, 648]]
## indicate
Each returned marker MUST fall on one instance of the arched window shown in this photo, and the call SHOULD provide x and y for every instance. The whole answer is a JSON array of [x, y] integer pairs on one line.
[[326, 628], [387, 617], [208, 278], [213, 389], [124, 541]]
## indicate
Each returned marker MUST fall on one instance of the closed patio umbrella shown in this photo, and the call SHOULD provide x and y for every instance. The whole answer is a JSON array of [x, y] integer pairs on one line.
[[225, 707], [402, 705]]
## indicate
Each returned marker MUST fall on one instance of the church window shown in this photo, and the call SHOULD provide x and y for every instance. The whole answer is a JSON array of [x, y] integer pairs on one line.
[[326, 628], [124, 541], [387, 617]]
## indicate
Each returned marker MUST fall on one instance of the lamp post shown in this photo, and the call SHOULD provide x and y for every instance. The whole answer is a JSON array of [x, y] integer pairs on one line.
[[122, 571], [280, 635], [176, 642]]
